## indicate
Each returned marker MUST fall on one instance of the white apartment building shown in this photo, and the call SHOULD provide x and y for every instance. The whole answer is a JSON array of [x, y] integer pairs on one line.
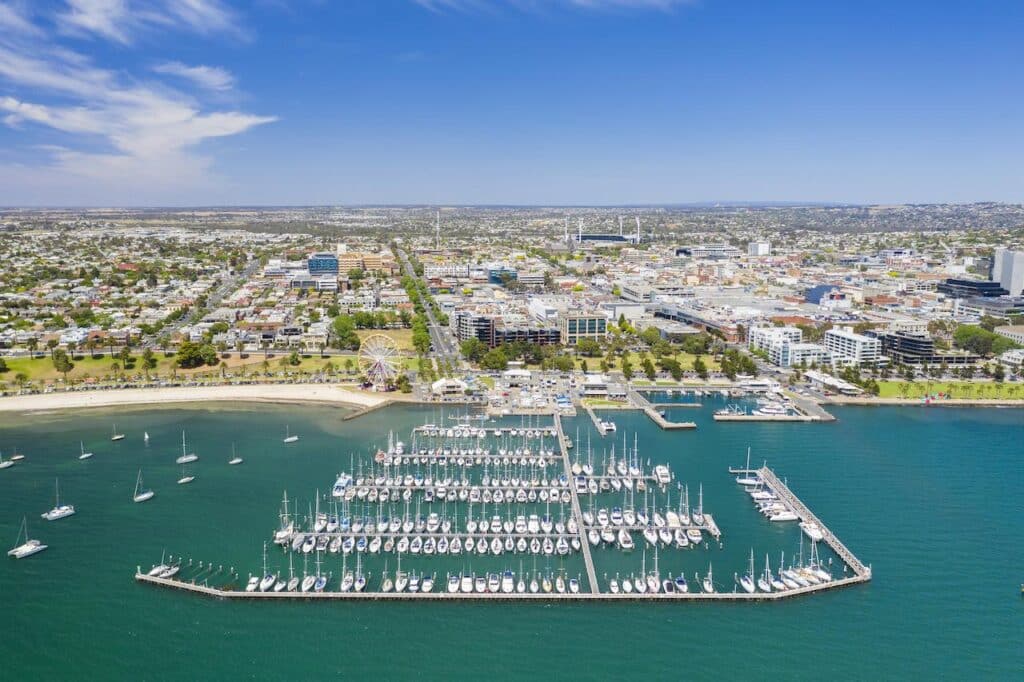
[[791, 354], [761, 338], [849, 348], [785, 347], [441, 270], [759, 249]]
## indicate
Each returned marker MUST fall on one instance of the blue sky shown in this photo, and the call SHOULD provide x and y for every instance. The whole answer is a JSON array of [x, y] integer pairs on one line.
[[200, 102]]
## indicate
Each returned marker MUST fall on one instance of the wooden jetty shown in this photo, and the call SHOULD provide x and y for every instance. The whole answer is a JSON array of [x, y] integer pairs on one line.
[[786, 495]]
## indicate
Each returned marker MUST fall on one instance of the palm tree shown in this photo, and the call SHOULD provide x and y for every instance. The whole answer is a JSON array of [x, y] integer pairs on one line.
[[32, 344], [52, 344]]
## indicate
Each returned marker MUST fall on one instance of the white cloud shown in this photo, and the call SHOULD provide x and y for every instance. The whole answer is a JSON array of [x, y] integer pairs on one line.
[[14, 18], [120, 137], [209, 77], [531, 5], [122, 20]]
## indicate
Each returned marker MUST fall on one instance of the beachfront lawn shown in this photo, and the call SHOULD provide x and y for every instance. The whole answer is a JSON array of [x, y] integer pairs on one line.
[[41, 369], [967, 390]]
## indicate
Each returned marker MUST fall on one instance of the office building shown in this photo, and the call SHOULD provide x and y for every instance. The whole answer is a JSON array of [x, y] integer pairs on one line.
[[322, 264], [970, 288], [576, 326]]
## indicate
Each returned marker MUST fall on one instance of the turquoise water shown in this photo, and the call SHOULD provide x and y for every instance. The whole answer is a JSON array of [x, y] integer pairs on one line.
[[928, 497]]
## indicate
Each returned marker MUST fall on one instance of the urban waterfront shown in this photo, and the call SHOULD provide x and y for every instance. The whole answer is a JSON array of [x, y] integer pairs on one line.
[[923, 495]]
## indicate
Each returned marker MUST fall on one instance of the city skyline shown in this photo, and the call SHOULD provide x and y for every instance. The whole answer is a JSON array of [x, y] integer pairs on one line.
[[603, 102]]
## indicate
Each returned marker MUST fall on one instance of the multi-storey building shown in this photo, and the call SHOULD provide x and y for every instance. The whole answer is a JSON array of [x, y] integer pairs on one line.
[[849, 348], [580, 325]]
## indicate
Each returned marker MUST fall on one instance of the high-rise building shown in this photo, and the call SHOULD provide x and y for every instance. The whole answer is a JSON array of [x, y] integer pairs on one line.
[[1008, 270], [759, 249]]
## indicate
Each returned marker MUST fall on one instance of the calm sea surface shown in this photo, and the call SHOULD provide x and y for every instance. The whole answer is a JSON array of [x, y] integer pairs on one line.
[[929, 497]]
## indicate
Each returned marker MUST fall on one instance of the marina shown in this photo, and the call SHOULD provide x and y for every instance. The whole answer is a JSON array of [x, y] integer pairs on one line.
[[369, 513]]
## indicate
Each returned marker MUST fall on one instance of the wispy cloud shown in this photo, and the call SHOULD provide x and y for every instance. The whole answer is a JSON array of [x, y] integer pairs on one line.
[[209, 77], [537, 5], [117, 133], [123, 20], [14, 18]]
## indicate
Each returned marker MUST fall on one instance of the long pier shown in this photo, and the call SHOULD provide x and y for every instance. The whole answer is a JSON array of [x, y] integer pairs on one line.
[[577, 512], [862, 572], [492, 596]]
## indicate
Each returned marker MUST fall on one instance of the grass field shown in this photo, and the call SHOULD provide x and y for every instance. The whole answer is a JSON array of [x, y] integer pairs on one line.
[[402, 337], [954, 389], [685, 360]]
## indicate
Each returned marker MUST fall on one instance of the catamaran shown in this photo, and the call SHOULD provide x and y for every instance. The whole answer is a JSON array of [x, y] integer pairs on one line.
[[59, 510], [84, 455], [115, 435], [141, 494], [288, 438], [186, 457], [27, 548]]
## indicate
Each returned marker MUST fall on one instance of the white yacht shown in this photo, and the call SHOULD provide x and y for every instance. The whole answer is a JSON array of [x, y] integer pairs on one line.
[[115, 435], [4, 464], [27, 548], [185, 476], [186, 457], [747, 581], [84, 455], [746, 478], [709, 582], [235, 459], [288, 437], [812, 530], [59, 510], [141, 494]]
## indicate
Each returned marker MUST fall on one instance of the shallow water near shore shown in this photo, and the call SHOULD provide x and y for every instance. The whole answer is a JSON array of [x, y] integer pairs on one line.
[[928, 497]]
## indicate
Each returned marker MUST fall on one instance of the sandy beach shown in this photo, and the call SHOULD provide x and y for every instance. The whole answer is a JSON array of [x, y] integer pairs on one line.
[[277, 393]]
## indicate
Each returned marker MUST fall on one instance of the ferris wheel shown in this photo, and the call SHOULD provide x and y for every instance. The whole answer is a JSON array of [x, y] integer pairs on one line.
[[379, 360]]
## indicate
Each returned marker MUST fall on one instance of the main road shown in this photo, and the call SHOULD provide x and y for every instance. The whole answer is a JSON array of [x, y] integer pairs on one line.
[[442, 342], [226, 287]]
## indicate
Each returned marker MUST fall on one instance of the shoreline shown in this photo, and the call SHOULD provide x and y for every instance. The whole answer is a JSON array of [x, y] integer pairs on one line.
[[909, 402], [324, 394]]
